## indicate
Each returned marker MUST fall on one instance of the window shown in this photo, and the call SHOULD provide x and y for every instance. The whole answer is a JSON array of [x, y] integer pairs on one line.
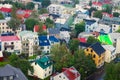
[[48, 47], [5, 78], [42, 47], [99, 61], [94, 56], [87, 49], [49, 67], [59, 76], [12, 48], [12, 43], [91, 50], [49, 72], [11, 77], [45, 74]]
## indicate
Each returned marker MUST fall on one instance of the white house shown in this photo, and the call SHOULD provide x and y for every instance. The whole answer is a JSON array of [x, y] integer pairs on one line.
[[10, 44], [110, 53], [55, 9], [114, 36], [4, 27], [118, 46], [64, 35], [67, 74], [43, 67], [29, 40], [90, 25]]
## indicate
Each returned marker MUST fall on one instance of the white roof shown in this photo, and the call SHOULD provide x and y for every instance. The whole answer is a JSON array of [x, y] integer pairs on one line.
[[109, 47], [61, 21]]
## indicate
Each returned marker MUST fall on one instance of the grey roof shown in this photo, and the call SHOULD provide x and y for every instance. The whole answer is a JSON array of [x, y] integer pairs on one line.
[[9, 70], [53, 31]]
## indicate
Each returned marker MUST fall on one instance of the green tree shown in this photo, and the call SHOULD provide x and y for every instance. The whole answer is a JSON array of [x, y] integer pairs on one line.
[[42, 11], [92, 39], [116, 14], [1, 16], [112, 71], [30, 24], [108, 9], [30, 5], [19, 5], [79, 27], [90, 3], [49, 23], [14, 23], [23, 64], [45, 3], [13, 13], [97, 14], [59, 54], [73, 45]]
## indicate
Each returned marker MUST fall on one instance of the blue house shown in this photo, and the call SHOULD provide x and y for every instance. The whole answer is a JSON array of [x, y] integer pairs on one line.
[[45, 42], [90, 25]]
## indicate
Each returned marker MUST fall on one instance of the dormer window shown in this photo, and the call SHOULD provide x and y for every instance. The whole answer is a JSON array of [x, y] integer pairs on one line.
[[11, 77], [45, 63]]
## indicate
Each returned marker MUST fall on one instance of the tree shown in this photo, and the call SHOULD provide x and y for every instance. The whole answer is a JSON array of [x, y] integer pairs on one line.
[[73, 45], [13, 13], [116, 14], [92, 39], [45, 3], [90, 3], [112, 71], [59, 54], [23, 64], [49, 23], [30, 5], [19, 5], [30, 24], [42, 11], [79, 27], [97, 14], [108, 9], [1, 16], [14, 23]]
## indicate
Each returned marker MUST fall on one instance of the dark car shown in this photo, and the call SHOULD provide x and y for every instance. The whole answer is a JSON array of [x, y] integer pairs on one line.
[[116, 60]]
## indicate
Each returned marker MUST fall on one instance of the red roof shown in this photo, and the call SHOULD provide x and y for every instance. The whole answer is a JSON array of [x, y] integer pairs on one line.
[[9, 38], [44, 27], [107, 14], [26, 15], [82, 40], [97, 3], [71, 73], [36, 28], [3, 9]]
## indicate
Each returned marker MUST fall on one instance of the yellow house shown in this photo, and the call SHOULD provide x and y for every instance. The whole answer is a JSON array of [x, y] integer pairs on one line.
[[97, 52]]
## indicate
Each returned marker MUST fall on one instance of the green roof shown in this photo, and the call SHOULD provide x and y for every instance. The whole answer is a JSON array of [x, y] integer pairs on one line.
[[105, 39], [44, 62]]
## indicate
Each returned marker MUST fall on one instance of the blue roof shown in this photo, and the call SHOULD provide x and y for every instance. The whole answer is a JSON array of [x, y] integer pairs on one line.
[[98, 48], [53, 30], [43, 41], [89, 22], [53, 39]]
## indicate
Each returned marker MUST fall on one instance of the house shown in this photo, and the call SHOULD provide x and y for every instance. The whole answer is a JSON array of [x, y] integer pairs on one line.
[[64, 35], [80, 16], [117, 46], [9, 72], [105, 39], [90, 25], [29, 41], [22, 1], [114, 36], [4, 28], [85, 35], [55, 9], [54, 32], [45, 43], [37, 28], [21, 14], [97, 5], [97, 52], [1, 54], [113, 22], [102, 28], [110, 53], [11, 44], [64, 21], [43, 17], [67, 74], [43, 67]]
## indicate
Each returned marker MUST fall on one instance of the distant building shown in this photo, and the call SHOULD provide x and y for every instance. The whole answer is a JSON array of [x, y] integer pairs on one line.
[[9, 72], [67, 74]]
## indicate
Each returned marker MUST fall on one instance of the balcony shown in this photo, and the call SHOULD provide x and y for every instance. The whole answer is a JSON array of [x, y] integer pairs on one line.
[[9, 46]]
